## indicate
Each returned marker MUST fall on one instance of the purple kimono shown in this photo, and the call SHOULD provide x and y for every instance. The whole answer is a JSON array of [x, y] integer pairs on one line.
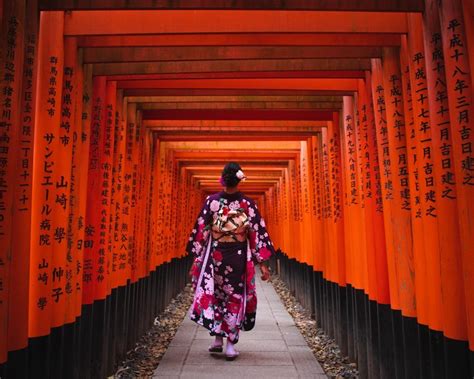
[[223, 274]]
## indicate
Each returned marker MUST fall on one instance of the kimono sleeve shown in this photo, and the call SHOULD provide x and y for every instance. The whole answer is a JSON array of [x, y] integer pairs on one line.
[[200, 233], [260, 243]]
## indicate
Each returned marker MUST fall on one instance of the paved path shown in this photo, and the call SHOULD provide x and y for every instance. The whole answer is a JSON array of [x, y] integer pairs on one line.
[[275, 348]]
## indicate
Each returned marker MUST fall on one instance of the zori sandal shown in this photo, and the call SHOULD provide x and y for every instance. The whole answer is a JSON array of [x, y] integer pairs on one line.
[[231, 357], [215, 348]]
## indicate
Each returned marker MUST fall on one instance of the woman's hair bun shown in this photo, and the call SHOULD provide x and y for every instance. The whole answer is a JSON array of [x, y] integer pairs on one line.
[[229, 174]]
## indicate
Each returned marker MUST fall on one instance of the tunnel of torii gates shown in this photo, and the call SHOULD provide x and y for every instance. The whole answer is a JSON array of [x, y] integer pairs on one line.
[[352, 120]]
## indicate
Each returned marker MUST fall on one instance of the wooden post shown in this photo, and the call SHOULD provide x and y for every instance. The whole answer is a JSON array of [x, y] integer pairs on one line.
[[352, 199], [468, 16], [414, 185], [79, 221], [305, 227], [426, 169], [128, 180], [318, 199], [18, 288], [401, 199], [44, 209], [377, 208], [366, 190], [460, 100], [327, 215], [120, 238], [94, 284], [62, 293], [335, 194], [453, 297], [109, 184]]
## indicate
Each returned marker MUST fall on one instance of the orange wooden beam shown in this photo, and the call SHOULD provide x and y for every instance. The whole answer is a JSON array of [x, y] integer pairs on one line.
[[341, 74], [242, 155], [179, 125], [231, 92], [243, 105], [198, 53], [230, 145], [211, 99], [236, 114], [247, 136], [235, 21], [243, 39], [226, 66], [313, 5], [267, 84]]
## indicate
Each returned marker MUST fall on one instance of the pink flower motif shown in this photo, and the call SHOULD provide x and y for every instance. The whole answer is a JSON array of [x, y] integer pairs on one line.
[[214, 206], [251, 212]]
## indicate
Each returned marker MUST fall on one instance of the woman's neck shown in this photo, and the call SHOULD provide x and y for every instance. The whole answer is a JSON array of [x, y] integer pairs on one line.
[[231, 189]]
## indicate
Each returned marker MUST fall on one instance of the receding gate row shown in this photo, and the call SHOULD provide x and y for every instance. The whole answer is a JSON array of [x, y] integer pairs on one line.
[[370, 204]]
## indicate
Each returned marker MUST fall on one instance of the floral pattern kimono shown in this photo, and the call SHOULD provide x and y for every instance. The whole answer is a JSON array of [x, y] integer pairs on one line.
[[223, 273]]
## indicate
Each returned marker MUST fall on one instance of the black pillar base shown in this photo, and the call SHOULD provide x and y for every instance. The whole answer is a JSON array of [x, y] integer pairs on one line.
[[384, 343]]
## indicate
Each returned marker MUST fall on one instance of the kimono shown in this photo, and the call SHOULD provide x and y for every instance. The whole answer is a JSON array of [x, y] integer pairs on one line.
[[223, 273]]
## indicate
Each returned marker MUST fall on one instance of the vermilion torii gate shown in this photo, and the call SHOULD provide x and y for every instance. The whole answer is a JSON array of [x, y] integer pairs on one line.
[[352, 121]]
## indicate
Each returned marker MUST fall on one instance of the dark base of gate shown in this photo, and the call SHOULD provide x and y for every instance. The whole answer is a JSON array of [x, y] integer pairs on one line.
[[384, 343], [94, 345]]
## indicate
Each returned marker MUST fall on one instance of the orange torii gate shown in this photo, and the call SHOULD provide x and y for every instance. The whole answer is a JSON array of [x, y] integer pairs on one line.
[[352, 121]]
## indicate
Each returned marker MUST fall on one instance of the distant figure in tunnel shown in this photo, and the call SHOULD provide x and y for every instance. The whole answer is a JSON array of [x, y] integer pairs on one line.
[[228, 239]]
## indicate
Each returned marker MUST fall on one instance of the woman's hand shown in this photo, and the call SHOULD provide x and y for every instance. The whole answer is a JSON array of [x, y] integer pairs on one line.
[[265, 272]]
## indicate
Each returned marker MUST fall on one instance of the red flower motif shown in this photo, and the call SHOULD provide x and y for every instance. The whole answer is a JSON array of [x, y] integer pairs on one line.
[[233, 307], [199, 234], [252, 239], [196, 269], [265, 253], [225, 211], [225, 327], [217, 255], [196, 306], [206, 300], [251, 304], [244, 205], [250, 270]]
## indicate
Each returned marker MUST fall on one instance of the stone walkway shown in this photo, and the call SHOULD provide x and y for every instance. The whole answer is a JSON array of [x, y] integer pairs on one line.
[[275, 348]]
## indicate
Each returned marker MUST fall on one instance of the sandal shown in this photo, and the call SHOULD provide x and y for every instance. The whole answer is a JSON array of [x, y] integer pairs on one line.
[[216, 348], [231, 357]]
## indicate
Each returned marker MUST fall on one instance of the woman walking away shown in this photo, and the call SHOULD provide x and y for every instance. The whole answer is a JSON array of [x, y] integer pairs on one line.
[[228, 239]]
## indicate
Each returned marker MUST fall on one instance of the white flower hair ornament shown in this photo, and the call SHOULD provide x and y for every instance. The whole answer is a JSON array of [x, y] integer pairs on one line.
[[240, 174]]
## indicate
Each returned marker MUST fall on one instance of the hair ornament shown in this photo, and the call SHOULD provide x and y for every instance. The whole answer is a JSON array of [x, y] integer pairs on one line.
[[240, 174]]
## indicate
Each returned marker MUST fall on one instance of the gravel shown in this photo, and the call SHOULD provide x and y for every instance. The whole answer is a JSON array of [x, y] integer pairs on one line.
[[142, 361], [324, 348], [144, 358]]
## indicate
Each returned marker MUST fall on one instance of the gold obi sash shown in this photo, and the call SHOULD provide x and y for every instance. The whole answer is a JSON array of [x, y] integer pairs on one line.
[[231, 227]]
